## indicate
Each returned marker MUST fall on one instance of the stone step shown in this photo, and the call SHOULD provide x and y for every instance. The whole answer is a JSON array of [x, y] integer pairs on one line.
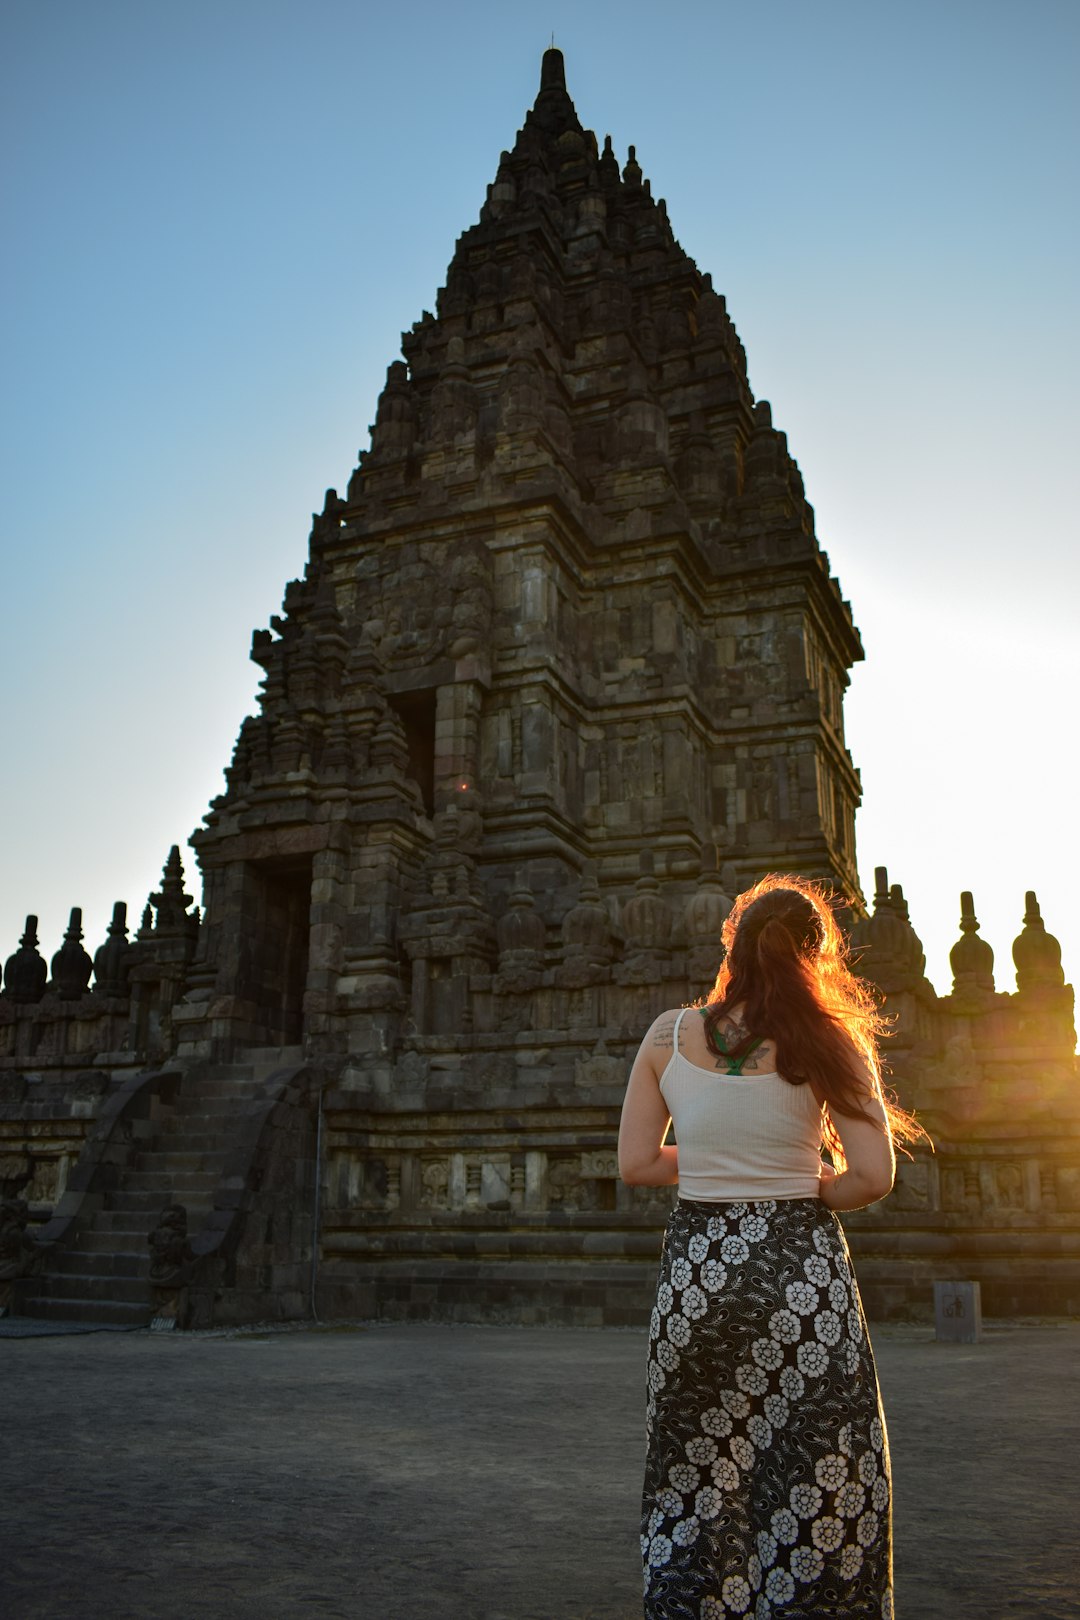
[[193, 1194], [114, 1262], [180, 1161], [99, 1285], [159, 1181], [119, 1228], [215, 1096], [128, 1204], [125, 1238], [113, 1312], [198, 1135]]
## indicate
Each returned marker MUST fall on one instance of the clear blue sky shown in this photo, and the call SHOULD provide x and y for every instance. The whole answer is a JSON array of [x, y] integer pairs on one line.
[[219, 217]]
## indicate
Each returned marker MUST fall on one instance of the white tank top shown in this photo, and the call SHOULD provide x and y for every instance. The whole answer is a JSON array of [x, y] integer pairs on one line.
[[741, 1135]]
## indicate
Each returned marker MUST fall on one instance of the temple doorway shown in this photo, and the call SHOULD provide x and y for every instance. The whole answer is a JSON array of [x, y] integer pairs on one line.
[[279, 947]]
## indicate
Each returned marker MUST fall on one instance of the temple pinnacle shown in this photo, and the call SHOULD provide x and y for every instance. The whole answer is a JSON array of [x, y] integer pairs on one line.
[[553, 69]]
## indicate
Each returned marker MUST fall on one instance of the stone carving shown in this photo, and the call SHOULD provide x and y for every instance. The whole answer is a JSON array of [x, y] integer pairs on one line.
[[171, 1255], [960, 1065], [521, 937], [413, 1069], [1008, 1184], [471, 599], [453, 402], [411, 633], [435, 1184], [587, 948], [1068, 1187], [394, 433], [704, 918], [599, 1166], [87, 1092], [521, 396], [19, 1254], [447, 931], [16, 1173], [600, 1068], [564, 1183], [762, 771], [647, 922], [962, 1187]]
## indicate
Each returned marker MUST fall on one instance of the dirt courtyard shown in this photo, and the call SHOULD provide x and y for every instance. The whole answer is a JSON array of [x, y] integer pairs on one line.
[[474, 1473]]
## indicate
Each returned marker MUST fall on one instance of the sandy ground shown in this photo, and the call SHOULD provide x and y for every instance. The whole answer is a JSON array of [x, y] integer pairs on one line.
[[386, 1473]]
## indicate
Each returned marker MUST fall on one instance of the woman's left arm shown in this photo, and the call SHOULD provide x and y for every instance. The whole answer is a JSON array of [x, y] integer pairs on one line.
[[643, 1159], [868, 1149]]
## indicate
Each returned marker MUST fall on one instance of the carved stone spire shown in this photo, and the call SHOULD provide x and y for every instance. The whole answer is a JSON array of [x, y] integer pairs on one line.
[[971, 958], [888, 950], [521, 937], [647, 923], [112, 960], [587, 949], [1036, 953], [71, 966], [706, 912], [171, 903], [25, 973]]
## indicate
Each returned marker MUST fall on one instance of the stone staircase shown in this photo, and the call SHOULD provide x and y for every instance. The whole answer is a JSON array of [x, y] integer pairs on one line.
[[103, 1273]]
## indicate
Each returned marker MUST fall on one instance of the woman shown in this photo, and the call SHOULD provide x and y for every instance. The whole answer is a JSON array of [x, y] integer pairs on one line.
[[767, 1488]]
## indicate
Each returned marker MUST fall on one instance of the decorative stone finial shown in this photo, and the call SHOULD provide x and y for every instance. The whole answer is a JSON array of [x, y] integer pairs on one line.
[[587, 948], [704, 917], [71, 966], [647, 924], [889, 950], [521, 938], [553, 70], [171, 904], [632, 169], [609, 165], [899, 904], [111, 959], [1036, 953], [971, 958], [25, 973]]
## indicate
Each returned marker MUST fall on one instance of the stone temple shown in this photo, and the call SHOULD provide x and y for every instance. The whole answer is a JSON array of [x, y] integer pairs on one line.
[[564, 671]]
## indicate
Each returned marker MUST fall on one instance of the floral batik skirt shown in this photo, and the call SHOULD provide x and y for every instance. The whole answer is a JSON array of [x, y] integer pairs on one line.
[[767, 1489]]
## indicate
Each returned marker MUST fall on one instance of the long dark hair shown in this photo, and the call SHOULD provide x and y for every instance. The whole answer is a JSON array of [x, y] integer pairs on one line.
[[786, 971]]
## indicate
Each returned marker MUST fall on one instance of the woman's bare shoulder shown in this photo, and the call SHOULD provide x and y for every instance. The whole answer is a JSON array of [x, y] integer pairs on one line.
[[662, 1030]]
